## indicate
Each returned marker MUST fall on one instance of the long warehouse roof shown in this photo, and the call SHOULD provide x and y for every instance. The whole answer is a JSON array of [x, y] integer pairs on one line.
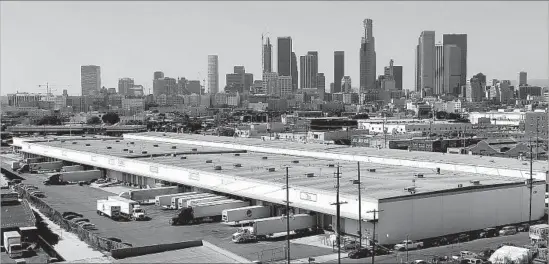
[[451, 162]]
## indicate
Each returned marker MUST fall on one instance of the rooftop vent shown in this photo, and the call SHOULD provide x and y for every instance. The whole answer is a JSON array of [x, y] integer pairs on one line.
[[271, 169], [419, 175], [411, 189], [74, 142], [264, 158], [331, 165], [295, 161], [117, 141], [130, 151], [460, 185], [438, 170], [475, 182], [194, 149], [183, 157], [155, 145], [109, 147], [87, 145], [217, 168], [371, 170], [237, 154], [125, 150], [174, 155], [238, 165], [174, 147], [163, 135], [132, 142], [143, 152], [309, 175], [209, 161]]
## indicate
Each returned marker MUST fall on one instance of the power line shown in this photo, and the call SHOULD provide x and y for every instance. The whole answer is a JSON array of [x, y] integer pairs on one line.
[[338, 215], [374, 221]]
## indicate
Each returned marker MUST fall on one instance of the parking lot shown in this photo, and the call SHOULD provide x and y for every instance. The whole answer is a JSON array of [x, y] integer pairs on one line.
[[82, 199]]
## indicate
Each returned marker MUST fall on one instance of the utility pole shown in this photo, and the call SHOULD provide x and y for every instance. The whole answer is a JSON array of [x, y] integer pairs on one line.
[[374, 221], [338, 215], [287, 216], [359, 208], [530, 185]]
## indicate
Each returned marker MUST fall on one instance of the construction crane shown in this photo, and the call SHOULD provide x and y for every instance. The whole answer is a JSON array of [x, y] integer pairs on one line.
[[203, 82], [51, 87]]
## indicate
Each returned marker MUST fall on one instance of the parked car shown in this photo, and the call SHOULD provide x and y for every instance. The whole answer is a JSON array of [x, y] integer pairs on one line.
[[408, 245], [38, 194], [461, 238], [115, 239], [419, 261], [71, 215], [87, 225], [523, 228], [28, 188], [351, 245], [507, 231], [471, 261], [127, 244], [359, 253], [79, 219], [488, 232], [381, 250]]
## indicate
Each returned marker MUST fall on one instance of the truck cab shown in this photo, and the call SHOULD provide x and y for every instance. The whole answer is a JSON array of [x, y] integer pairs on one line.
[[138, 213], [12, 244], [244, 234]]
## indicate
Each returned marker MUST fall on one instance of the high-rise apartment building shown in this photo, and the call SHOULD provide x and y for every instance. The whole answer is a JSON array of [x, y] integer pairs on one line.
[[158, 75], [90, 79], [339, 69], [474, 90], [270, 83], [522, 78], [452, 69], [284, 56], [427, 62], [295, 76], [308, 65], [124, 85], [439, 69], [346, 84], [285, 85], [460, 40], [213, 74], [321, 82], [367, 58], [268, 56]]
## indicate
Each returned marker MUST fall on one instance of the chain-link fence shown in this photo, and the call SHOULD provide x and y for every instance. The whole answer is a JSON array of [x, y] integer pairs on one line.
[[94, 240]]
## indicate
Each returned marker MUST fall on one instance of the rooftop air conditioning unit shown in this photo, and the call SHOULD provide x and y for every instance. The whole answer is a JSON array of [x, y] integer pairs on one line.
[[103, 139], [217, 168], [238, 165], [174, 155], [132, 142], [174, 147], [419, 175], [264, 158], [309, 175], [371, 170], [460, 185], [163, 135], [83, 136], [271, 169], [131, 151], [183, 157], [143, 152], [295, 161], [117, 141], [331, 165], [411, 189], [194, 149], [125, 150], [209, 161], [237, 154], [109, 147], [74, 142], [62, 141], [155, 145], [475, 182], [87, 145]]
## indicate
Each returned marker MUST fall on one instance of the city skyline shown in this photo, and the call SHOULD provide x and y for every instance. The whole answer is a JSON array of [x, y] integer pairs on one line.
[[35, 53]]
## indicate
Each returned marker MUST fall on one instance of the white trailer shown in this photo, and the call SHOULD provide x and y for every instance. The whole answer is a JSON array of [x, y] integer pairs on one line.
[[149, 194], [12, 244], [175, 200], [129, 209], [193, 202], [46, 166], [245, 213], [201, 211], [268, 227], [109, 208], [72, 168], [15, 165], [76, 176], [166, 200]]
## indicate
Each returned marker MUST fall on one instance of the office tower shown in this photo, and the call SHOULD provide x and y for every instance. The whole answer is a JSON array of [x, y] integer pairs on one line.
[[270, 83], [308, 65], [427, 62], [522, 79], [295, 76], [339, 69], [268, 56], [193, 86], [367, 58], [475, 90], [417, 71], [158, 75], [321, 82], [460, 40], [165, 85], [285, 85], [239, 81], [284, 56], [397, 75], [213, 74], [452, 69], [346, 84], [439, 69], [90, 79], [124, 85], [332, 89]]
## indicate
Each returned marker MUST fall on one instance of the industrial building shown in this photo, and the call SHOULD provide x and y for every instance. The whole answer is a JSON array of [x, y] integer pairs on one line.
[[419, 195]]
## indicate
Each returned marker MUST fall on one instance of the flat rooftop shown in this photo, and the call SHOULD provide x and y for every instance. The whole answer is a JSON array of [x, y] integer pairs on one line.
[[17, 215], [492, 162], [387, 181]]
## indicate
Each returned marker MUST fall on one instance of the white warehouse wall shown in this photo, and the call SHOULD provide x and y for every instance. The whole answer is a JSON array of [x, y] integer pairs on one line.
[[443, 214]]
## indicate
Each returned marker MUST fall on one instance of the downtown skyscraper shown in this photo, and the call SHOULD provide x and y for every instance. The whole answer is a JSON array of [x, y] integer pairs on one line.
[[213, 74], [460, 40], [425, 61], [90, 79], [339, 70], [367, 58], [308, 65], [284, 59], [267, 56]]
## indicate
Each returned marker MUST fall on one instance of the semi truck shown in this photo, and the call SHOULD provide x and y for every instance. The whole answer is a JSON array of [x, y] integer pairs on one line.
[[149, 194], [193, 202], [12, 244], [41, 166], [129, 209], [108, 208], [15, 165], [73, 176], [268, 227], [72, 168], [175, 200], [245, 213], [166, 200], [203, 211]]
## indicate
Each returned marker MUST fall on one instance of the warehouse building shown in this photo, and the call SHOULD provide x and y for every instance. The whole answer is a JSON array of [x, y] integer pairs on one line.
[[416, 197]]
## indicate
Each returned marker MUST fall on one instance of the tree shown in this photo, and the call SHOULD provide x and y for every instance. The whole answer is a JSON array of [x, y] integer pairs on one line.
[[93, 120], [49, 120], [110, 118]]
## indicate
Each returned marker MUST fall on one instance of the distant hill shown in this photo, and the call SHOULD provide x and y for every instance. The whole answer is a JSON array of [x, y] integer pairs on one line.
[[535, 82]]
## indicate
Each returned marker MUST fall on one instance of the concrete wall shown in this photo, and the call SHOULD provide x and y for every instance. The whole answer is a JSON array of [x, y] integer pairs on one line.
[[453, 213], [139, 251]]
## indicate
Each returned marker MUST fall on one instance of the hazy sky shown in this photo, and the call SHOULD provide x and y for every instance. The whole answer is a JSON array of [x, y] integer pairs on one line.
[[49, 41]]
